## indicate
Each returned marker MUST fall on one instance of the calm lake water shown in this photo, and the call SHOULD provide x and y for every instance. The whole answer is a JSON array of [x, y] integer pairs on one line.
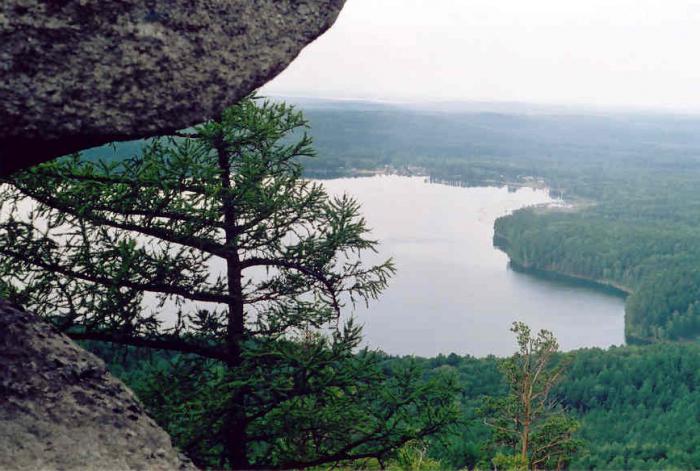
[[454, 291]]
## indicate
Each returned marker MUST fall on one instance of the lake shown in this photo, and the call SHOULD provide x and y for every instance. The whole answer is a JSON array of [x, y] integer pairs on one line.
[[454, 291]]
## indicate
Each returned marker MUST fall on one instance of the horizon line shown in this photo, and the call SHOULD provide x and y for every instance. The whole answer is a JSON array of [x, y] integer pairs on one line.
[[570, 107]]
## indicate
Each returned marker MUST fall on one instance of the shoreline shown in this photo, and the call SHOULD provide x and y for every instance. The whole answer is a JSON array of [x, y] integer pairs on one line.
[[501, 243], [605, 285]]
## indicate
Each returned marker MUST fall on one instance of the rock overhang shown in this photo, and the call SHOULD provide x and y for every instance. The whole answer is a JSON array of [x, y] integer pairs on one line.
[[79, 73]]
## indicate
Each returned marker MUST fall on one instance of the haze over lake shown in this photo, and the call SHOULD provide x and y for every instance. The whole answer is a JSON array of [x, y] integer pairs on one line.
[[454, 291]]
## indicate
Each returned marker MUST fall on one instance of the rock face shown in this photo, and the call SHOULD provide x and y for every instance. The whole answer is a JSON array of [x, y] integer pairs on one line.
[[79, 73], [61, 409]]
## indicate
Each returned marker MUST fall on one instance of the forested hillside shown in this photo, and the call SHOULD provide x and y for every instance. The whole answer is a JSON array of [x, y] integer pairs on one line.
[[638, 406], [632, 179], [658, 262]]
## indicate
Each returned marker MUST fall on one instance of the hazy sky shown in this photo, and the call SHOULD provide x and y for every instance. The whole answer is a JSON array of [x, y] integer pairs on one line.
[[596, 52]]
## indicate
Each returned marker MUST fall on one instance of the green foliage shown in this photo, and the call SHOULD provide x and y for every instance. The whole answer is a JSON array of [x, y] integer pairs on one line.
[[657, 263], [165, 214], [5, 290], [186, 395], [339, 400], [637, 406], [525, 421], [414, 457], [211, 245], [509, 462]]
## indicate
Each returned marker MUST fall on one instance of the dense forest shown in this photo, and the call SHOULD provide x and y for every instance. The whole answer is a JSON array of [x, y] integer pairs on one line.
[[639, 406]]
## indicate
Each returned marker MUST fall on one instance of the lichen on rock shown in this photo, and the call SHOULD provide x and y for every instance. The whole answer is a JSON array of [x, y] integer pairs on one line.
[[61, 409], [79, 73]]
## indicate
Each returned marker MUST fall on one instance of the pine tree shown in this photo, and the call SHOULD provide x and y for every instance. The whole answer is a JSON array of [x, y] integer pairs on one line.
[[527, 422], [211, 245]]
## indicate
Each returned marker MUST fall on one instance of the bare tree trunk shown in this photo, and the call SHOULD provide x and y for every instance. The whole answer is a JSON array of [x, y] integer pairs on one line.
[[235, 420], [525, 440], [235, 426], [527, 419]]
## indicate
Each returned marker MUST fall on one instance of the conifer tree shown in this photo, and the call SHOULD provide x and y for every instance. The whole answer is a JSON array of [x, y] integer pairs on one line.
[[211, 245], [527, 422]]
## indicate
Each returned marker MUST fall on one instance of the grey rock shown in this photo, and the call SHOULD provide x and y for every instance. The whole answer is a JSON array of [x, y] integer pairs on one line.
[[80, 73], [61, 409]]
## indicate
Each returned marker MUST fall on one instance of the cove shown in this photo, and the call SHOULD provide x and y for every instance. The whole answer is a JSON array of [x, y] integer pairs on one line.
[[454, 291]]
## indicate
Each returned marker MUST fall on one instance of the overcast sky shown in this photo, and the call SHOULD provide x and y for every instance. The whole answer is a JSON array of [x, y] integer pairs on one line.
[[594, 52]]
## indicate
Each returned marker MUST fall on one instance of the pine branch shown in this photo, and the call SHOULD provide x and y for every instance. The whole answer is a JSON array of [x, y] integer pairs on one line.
[[106, 281], [107, 179], [345, 454], [200, 243], [185, 135], [165, 343], [317, 275]]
